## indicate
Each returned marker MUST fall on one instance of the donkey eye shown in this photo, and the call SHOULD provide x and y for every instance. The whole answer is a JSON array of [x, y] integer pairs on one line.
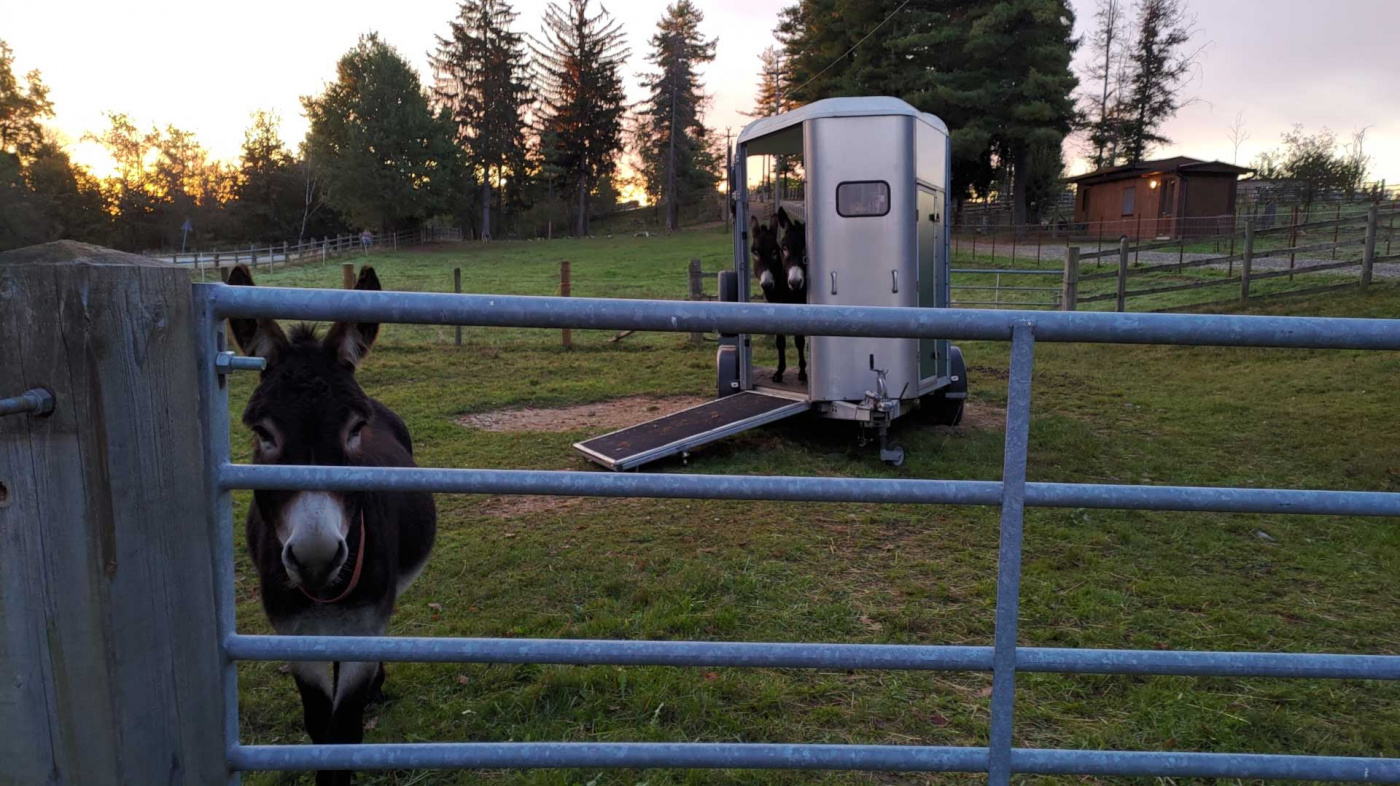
[[352, 437], [266, 442]]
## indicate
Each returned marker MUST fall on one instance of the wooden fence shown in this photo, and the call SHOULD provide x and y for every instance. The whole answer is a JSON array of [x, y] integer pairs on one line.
[[309, 250], [1374, 243]]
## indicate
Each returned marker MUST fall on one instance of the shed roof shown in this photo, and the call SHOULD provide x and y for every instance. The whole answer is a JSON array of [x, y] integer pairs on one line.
[[1181, 164], [863, 106]]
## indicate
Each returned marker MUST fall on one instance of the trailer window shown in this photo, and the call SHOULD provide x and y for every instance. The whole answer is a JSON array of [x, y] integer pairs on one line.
[[863, 198]]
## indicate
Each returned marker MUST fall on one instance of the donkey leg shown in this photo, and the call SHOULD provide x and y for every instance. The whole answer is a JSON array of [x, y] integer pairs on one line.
[[782, 358], [354, 685], [314, 684], [801, 343]]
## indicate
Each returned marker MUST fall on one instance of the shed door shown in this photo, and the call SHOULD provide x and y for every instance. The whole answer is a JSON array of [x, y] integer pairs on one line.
[[931, 273]]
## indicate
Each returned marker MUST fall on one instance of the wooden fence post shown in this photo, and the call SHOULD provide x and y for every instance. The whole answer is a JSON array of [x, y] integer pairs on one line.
[[347, 275], [1069, 287], [1368, 257], [286, 260], [1122, 272], [111, 659], [1292, 238], [565, 290], [457, 287], [254, 253], [1247, 260], [697, 292]]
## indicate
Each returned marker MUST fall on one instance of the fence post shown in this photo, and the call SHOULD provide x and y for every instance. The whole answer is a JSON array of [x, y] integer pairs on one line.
[[457, 287], [565, 289], [1368, 258], [111, 658], [347, 275], [1122, 272], [286, 260], [697, 292], [1336, 230], [1069, 288], [254, 253], [1247, 260], [1292, 238]]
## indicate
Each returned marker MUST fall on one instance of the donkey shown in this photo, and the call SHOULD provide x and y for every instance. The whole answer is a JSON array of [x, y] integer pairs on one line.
[[781, 267], [329, 563]]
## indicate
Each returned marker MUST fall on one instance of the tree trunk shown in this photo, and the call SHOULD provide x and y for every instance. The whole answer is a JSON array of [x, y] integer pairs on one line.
[[581, 221], [486, 206], [1021, 178]]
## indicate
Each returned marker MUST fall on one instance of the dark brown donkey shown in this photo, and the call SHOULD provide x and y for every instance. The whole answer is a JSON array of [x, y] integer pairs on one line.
[[780, 265], [330, 563]]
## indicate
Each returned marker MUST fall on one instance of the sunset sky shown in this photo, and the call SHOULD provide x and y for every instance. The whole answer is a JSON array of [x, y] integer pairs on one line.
[[205, 66]]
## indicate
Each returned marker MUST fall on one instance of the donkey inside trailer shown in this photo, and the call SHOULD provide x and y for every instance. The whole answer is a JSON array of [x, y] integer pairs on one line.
[[858, 189]]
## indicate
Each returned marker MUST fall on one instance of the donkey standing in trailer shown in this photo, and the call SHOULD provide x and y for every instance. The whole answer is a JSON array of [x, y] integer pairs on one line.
[[329, 563], [780, 264]]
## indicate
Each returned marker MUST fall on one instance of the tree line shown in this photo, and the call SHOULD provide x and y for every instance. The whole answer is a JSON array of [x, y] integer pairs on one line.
[[515, 135]]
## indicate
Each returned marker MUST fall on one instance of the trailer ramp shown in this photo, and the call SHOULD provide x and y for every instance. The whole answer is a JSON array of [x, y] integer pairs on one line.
[[688, 429]]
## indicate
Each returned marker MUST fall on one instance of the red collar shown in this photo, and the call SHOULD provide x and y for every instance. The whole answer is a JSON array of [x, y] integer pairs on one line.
[[354, 577]]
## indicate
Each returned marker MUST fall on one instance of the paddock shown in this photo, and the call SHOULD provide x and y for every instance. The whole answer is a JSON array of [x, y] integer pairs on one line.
[[214, 641]]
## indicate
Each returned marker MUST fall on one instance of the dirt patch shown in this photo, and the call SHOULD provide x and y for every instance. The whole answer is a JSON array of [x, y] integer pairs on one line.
[[605, 415], [983, 415]]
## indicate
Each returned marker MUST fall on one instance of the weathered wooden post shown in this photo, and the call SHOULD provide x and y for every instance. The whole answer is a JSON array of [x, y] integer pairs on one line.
[[697, 292], [1368, 257], [110, 653], [253, 252], [347, 275], [1247, 261], [457, 287], [1069, 287], [286, 260], [219, 270], [565, 290], [1122, 272]]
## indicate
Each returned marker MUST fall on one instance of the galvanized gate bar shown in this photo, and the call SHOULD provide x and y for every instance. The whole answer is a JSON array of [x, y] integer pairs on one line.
[[534, 755], [683, 316], [1013, 509], [816, 655], [797, 488], [888, 758]]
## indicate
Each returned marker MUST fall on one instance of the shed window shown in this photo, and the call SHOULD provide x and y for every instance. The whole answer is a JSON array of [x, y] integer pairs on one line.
[[1129, 200], [863, 198]]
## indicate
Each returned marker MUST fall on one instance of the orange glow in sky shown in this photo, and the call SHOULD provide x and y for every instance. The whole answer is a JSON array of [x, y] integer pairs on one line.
[[205, 66]]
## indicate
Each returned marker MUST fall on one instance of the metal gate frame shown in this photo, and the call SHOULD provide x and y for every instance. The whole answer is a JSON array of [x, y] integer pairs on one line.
[[215, 302]]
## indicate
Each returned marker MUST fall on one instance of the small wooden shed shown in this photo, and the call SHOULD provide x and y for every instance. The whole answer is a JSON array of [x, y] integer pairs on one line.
[[1168, 198]]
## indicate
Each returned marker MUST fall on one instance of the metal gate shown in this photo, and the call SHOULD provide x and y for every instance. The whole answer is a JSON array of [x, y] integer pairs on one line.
[[1012, 494]]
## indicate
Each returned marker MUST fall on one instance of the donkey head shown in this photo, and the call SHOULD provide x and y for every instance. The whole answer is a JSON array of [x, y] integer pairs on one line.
[[308, 409], [793, 247], [767, 264]]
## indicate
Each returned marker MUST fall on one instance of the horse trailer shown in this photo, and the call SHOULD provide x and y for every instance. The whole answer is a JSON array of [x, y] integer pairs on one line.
[[865, 181]]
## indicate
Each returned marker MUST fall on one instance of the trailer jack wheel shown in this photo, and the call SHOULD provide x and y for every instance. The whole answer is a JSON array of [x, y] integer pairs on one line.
[[891, 452]]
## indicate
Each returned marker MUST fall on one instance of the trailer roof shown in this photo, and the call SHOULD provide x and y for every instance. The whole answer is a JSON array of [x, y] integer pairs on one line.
[[864, 106]]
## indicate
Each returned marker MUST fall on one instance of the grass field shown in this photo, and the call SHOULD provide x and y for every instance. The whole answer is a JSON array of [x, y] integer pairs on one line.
[[663, 569]]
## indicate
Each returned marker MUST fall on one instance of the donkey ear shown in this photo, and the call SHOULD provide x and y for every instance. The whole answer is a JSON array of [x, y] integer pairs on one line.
[[255, 337], [753, 223], [782, 219], [350, 341]]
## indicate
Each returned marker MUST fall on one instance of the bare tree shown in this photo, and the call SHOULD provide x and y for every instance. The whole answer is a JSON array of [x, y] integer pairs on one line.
[[1237, 136], [1106, 72]]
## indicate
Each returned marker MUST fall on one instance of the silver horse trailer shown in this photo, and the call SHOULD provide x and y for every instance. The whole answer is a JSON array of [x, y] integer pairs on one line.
[[866, 180]]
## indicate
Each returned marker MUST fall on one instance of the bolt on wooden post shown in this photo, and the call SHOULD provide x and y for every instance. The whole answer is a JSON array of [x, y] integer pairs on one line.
[[565, 290]]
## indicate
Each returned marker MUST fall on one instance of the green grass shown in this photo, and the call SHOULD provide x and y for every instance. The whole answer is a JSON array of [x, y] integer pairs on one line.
[[674, 569]]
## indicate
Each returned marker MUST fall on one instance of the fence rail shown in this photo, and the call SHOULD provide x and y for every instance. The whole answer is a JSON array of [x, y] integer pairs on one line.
[[317, 249]]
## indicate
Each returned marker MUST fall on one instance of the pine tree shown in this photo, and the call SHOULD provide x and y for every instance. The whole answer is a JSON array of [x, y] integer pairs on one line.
[[771, 97], [842, 47], [677, 164], [384, 158], [1002, 82], [1159, 68], [268, 193], [482, 80], [578, 61]]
